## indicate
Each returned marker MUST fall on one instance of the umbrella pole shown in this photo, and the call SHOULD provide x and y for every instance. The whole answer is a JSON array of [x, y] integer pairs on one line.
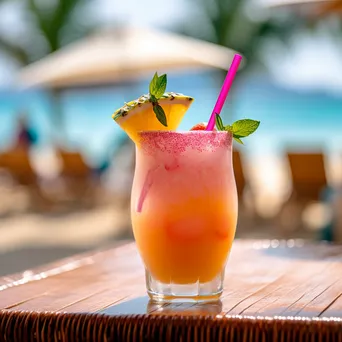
[[59, 132]]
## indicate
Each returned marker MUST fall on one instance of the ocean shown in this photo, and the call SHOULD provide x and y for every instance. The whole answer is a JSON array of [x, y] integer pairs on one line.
[[289, 119]]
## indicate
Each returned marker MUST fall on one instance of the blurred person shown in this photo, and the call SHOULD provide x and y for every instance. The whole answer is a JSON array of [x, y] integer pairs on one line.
[[26, 135], [17, 164]]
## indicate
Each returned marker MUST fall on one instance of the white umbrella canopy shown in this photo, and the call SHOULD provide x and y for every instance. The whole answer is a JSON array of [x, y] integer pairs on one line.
[[116, 55]]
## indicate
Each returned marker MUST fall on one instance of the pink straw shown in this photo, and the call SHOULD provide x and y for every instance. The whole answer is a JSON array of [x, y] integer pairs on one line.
[[224, 91]]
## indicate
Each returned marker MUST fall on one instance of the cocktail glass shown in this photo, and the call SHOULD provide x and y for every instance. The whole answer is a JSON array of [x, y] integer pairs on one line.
[[184, 212]]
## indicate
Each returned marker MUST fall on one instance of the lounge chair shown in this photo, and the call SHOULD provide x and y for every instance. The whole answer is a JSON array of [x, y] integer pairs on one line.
[[77, 176], [18, 165], [308, 175], [309, 179]]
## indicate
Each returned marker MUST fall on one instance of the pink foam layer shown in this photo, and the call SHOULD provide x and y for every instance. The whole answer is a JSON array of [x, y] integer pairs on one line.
[[178, 142]]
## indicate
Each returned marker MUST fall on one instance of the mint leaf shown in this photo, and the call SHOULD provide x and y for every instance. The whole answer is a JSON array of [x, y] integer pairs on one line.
[[219, 123], [158, 86], [238, 140], [228, 128], [160, 114], [245, 127], [161, 86], [153, 84], [157, 90], [239, 129], [153, 99]]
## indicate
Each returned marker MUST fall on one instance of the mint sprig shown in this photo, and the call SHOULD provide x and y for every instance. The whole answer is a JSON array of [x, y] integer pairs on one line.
[[239, 129], [157, 90], [160, 114]]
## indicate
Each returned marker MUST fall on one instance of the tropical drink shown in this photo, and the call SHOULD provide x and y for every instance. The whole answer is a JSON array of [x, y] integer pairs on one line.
[[184, 200], [184, 209]]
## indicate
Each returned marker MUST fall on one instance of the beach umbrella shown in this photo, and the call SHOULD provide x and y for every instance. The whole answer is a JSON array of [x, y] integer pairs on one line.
[[112, 56], [308, 8]]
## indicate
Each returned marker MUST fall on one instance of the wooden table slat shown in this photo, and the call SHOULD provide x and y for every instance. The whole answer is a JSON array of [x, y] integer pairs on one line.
[[259, 280], [263, 278]]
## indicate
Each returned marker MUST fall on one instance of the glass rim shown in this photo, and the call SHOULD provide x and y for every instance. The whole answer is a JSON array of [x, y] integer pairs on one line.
[[151, 132], [169, 140]]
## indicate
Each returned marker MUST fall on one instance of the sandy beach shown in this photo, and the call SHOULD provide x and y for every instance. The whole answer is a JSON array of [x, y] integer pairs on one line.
[[28, 240]]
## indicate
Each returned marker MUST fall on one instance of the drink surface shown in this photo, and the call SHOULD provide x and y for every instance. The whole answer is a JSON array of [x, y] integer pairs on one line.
[[184, 204]]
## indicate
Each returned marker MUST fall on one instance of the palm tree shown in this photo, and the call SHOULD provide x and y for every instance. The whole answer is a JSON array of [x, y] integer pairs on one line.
[[242, 26], [50, 24], [238, 24]]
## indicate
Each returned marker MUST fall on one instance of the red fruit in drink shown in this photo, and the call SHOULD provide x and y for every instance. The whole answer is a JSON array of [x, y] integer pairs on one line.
[[199, 127]]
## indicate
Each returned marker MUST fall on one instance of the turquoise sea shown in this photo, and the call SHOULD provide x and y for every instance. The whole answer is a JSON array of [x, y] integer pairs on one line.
[[289, 119]]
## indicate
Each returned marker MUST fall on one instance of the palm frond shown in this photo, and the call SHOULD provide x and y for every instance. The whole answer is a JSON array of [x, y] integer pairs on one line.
[[16, 51]]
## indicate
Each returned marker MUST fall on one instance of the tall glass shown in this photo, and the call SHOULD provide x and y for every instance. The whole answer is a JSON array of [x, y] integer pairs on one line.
[[184, 212]]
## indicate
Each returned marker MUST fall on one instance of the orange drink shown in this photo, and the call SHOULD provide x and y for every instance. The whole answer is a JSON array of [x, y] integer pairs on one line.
[[184, 211], [184, 199]]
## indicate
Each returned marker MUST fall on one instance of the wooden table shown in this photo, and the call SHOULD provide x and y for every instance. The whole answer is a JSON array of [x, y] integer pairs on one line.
[[274, 291]]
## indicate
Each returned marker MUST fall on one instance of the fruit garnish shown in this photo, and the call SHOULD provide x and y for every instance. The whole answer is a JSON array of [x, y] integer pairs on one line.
[[158, 110], [199, 127], [157, 90], [239, 129]]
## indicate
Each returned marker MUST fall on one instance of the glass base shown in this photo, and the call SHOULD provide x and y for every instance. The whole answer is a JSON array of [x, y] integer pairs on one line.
[[195, 292]]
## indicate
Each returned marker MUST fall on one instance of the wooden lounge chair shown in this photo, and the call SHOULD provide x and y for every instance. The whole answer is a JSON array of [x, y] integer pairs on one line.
[[309, 179], [18, 165], [308, 175], [73, 165], [77, 176]]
